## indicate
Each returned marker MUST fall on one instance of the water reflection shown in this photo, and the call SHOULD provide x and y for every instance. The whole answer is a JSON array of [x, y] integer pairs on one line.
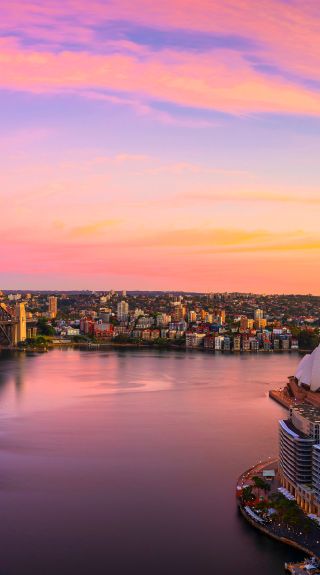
[[124, 461]]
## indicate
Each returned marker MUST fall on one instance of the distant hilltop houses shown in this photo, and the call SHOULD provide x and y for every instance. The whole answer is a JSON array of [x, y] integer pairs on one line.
[[216, 322]]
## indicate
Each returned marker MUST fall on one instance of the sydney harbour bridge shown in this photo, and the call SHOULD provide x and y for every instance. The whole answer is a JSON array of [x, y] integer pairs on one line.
[[10, 326]]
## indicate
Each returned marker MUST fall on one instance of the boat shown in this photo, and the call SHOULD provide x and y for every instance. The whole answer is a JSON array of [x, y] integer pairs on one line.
[[311, 566]]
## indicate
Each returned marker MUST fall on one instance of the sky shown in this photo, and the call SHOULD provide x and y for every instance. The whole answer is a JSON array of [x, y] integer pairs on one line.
[[160, 145]]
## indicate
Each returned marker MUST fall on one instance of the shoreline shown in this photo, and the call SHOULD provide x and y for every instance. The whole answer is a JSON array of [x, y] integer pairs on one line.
[[264, 529], [278, 538], [142, 345]]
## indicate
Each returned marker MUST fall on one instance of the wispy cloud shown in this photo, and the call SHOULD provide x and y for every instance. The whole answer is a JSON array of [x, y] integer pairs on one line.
[[219, 81], [254, 196], [180, 168], [219, 240], [93, 229]]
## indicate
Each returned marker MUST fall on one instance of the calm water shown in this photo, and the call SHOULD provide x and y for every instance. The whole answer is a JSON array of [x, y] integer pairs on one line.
[[125, 462]]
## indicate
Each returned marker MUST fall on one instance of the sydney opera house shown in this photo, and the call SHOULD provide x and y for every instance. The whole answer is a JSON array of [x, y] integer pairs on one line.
[[308, 372], [304, 386]]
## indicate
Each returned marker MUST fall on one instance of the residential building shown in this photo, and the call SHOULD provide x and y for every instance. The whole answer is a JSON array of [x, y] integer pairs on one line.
[[122, 310], [226, 343], [258, 314], [179, 312], [194, 340], [208, 341], [52, 306], [103, 330], [237, 343], [192, 316], [218, 342], [245, 344]]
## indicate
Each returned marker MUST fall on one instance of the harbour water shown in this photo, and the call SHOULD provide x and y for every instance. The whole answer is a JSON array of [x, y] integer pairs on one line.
[[125, 461]]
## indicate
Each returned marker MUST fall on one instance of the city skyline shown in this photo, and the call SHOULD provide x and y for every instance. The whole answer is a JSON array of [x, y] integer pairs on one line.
[[171, 147]]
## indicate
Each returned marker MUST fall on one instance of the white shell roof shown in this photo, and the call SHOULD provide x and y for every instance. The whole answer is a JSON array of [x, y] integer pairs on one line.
[[308, 371]]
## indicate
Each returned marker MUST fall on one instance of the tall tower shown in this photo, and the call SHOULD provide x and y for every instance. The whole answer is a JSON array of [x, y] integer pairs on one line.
[[53, 306], [20, 313], [122, 311]]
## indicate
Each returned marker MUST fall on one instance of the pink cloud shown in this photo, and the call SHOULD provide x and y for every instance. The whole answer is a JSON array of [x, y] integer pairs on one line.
[[218, 81], [286, 34]]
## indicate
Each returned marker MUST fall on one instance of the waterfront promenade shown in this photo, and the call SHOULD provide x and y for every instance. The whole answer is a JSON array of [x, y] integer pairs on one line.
[[303, 534]]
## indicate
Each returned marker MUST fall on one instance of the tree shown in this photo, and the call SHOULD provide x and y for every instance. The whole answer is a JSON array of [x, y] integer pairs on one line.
[[247, 494], [308, 340], [260, 483], [38, 341], [44, 328]]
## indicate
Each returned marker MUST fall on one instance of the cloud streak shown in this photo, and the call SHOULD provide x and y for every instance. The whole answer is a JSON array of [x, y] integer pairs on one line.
[[219, 81]]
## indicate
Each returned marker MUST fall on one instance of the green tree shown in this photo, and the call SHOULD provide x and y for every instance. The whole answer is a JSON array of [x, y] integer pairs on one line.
[[247, 494], [44, 328], [308, 340], [260, 483]]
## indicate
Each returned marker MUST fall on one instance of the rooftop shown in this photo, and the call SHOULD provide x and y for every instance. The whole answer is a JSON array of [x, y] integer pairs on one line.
[[309, 411], [292, 430]]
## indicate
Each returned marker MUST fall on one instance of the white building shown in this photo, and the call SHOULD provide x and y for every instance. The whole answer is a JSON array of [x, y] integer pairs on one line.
[[218, 342]]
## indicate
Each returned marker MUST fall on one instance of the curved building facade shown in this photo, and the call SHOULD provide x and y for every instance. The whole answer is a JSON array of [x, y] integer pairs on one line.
[[295, 454], [316, 477], [299, 457]]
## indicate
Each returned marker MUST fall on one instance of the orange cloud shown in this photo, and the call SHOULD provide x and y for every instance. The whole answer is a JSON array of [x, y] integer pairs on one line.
[[53, 266], [94, 228], [228, 240], [254, 196]]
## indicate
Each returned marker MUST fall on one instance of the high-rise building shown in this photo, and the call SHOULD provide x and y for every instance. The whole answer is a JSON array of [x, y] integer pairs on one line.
[[316, 475], [179, 312], [222, 316], [20, 314], [299, 462], [192, 316], [53, 306], [122, 310], [258, 314]]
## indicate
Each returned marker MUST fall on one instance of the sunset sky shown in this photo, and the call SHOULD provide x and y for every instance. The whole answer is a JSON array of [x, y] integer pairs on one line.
[[160, 145]]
